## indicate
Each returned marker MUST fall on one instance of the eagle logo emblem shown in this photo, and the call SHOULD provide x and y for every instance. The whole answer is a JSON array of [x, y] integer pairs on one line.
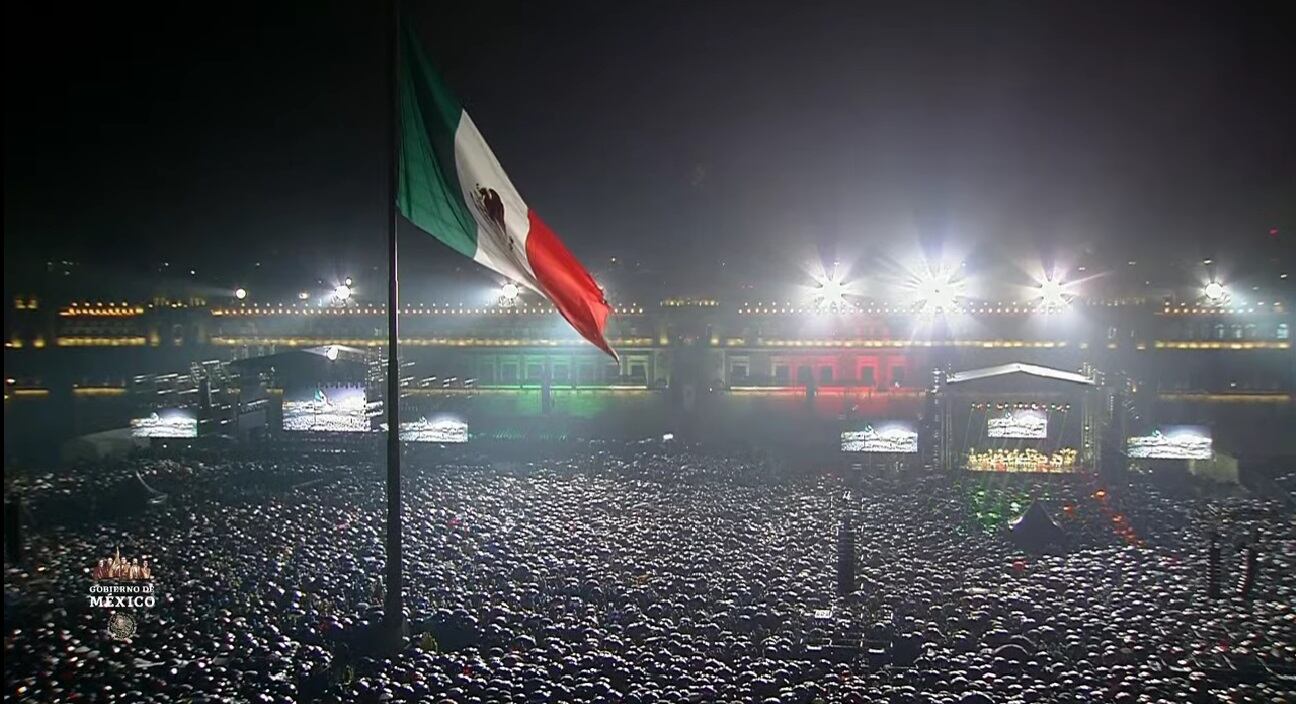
[[490, 205], [121, 626]]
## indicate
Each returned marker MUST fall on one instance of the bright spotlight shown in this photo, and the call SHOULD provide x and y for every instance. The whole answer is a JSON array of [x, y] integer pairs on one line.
[[240, 293], [938, 291], [1053, 294], [342, 291], [303, 295], [509, 292], [1214, 291], [348, 281], [331, 352], [829, 291]]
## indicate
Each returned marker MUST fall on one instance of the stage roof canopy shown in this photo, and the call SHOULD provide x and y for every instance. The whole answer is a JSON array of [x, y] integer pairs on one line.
[[1019, 368], [309, 365]]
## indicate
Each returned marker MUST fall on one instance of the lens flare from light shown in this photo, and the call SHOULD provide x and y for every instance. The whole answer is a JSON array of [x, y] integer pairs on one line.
[[342, 292], [509, 292]]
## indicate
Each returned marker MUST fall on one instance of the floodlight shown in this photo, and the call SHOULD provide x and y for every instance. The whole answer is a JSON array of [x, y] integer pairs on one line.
[[1053, 294], [1214, 291], [938, 291], [509, 292], [342, 291], [240, 293], [829, 291], [303, 295], [331, 352]]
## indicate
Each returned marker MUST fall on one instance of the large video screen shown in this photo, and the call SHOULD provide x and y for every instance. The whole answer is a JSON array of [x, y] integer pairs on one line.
[[444, 429], [1018, 423], [166, 423], [886, 436], [334, 409], [1172, 442]]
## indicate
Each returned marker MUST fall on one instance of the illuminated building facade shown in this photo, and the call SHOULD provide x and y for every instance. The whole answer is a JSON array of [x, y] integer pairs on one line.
[[1218, 364]]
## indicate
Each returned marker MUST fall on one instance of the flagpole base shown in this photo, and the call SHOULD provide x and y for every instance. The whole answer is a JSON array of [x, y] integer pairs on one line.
[[379, 640], [392, 637]]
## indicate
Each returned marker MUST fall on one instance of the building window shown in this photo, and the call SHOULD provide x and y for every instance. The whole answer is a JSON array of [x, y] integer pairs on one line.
[[867, 376], [1236, 331], [825, 375], [638, 373], [1219, 331], [738, 372], [587, 373], [897, 376], [1282, 332], [560, 372], [488, 374], [782, 374], [534, 372], [805, 375], [508, 373]]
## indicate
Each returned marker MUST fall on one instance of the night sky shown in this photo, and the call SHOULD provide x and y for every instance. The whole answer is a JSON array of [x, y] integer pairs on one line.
[[671, 135]]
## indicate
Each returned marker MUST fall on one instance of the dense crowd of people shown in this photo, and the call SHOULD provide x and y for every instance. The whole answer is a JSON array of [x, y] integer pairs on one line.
[[644, 573]]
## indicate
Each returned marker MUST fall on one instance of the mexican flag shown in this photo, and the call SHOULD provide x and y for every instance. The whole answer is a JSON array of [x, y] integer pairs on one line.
[[452, 187]]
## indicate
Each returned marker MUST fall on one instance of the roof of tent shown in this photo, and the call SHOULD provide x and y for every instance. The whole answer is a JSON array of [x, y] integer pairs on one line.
[[1019, 368]]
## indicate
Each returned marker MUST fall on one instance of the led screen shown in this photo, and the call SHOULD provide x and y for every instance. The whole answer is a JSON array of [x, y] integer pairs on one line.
[[887, 436], [335, 409], [1172, 442], [166, 423], [446, 429], [1017, 423]]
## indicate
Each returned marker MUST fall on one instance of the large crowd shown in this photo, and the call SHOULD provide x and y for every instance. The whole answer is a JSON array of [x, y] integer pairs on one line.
[[645, 573]]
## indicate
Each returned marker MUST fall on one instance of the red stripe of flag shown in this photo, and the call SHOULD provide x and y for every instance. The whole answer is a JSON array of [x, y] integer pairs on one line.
[[571, 288]]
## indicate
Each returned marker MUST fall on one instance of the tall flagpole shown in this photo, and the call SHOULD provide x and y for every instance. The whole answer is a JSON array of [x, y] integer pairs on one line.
[[394, 603]]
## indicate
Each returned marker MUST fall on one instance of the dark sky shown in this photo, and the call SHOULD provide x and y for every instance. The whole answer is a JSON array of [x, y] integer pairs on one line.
[[672, 134]]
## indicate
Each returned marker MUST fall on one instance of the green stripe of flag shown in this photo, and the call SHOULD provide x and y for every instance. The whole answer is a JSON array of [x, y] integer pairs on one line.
[[428, 192]]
